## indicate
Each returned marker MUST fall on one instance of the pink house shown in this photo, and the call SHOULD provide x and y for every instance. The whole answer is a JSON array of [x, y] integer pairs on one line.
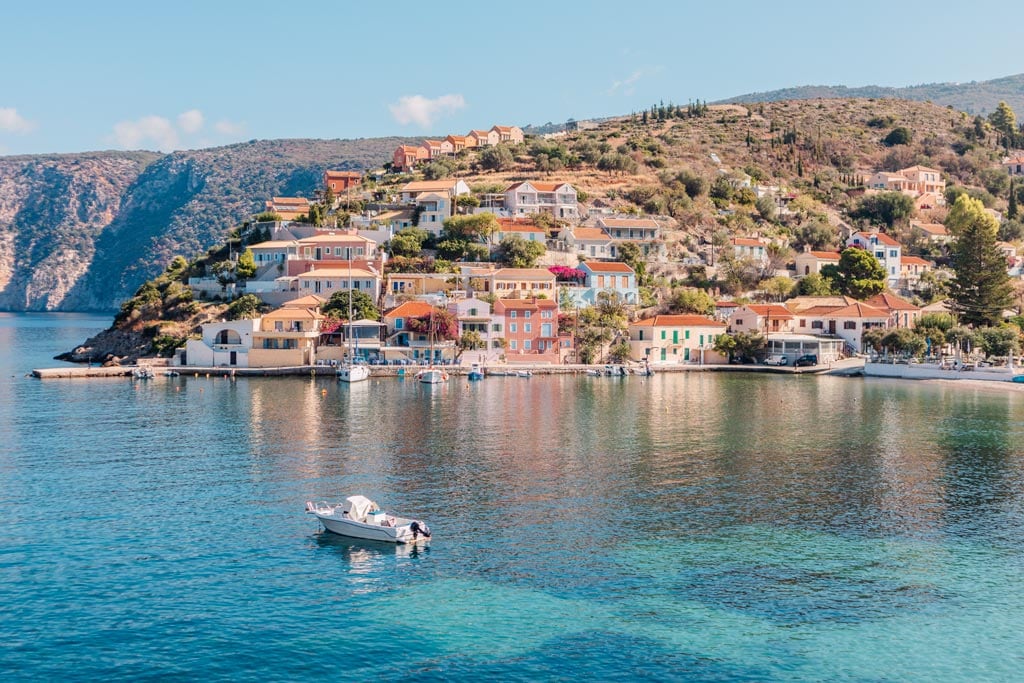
[[531, 330], [406, 157], [763, 318]]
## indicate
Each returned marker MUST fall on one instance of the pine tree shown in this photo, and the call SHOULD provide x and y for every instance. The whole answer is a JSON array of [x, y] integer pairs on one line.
[[1011, 209], [981, 289]]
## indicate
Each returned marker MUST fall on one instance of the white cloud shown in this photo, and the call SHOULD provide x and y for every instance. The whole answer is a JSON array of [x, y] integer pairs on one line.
[[154, 130], [423, 111], [13, 122], [225, 127], [626, 85], [190, 121]]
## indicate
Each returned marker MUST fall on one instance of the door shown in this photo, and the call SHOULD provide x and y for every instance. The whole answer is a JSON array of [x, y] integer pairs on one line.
[[318, 253], [316, 286], [234, 358], [831, 326], [663, 353], [675, 336]]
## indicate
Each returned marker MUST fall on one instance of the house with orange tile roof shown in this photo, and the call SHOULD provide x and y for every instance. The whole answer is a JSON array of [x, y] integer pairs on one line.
[[452, 187], [915, 181], [723, 309], [1014, 166], [339, 276], [508, 134], [339, 181], [458, 143], [407, 157], [437, 148], [404, 342], [762, 318], [933, 232], [531, 331], [288, 208], [482, 138], [399, 286], [510, 282], [750, 247], [524, 228], [911, 270], [333, 245], [531, 196], [607, 276], [593, 243], [901, 312], [287, 337], [644, 232], [811, 261], [848, 322], [676, 339], [884, 248]]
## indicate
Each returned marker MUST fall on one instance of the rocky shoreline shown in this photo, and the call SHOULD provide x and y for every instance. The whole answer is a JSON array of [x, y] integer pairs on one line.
[[110, 347]]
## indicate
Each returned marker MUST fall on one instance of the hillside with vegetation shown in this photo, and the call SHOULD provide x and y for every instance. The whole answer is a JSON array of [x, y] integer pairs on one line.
[[81, 232], [976, 97], [694, 169]]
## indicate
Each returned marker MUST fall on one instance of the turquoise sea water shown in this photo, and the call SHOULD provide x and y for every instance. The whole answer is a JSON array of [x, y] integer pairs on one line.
[[680, 527]]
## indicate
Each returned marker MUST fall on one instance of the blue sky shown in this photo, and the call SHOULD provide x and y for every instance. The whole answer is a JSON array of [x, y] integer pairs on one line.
[[77, 76]]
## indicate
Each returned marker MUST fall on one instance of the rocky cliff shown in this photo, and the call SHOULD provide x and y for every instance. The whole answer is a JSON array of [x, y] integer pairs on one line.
[[81, 232]]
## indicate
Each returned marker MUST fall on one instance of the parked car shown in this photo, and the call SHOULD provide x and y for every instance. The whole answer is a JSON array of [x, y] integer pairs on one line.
[[805, 360], [777, 359]]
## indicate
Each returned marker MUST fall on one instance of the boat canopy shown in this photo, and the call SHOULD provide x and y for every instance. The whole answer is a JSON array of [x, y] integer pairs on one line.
[[358, 507]]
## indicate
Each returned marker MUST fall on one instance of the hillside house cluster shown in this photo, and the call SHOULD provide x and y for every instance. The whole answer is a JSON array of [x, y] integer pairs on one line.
[[407, 157]]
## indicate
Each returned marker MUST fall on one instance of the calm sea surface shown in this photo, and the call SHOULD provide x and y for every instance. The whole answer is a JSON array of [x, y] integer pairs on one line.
[[680, 527]]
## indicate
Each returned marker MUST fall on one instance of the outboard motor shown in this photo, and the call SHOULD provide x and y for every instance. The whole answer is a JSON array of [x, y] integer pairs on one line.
[[418, 528]]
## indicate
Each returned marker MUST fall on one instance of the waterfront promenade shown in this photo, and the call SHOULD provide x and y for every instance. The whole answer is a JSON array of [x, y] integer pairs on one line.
[[847, 366]]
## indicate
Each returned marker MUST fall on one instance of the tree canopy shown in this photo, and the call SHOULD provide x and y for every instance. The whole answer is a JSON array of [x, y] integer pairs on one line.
[[516, 252], [981, 288], [362, 306], [859, 274]]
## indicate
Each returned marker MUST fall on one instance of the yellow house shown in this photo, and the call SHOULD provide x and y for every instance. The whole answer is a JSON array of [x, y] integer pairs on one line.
[[287, 337]]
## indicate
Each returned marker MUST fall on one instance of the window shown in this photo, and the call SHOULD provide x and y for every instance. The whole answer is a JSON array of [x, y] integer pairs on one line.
[[399, 323], [472, 311], [511, 327], [526, 314], [817, 325], [850, 325], [337, 251], [803, 323], [687, 335], [739, 321], [663, 334], [512, 344], [641, 335], [496, 327], [330, 285], [527, 345], [527, 327], [512, 314], [278, 326]]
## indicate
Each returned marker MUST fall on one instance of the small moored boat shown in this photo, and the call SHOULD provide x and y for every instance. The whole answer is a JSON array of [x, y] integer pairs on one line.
[[431, 376], [476, 372], [143, 372], [360, 517]]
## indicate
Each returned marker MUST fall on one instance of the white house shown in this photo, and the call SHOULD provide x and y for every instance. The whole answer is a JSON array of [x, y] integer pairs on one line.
[[884, 248], [644, 232], [810, 261], [224, 343], [557, 199], [590, 242], [1014, 166]]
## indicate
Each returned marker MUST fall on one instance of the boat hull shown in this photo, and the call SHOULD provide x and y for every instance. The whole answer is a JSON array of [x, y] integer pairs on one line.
[[431, 376], [369, 532], [353, 373], [475, 376]]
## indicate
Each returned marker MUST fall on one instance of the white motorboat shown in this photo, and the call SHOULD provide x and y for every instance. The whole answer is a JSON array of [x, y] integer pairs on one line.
[[524, 373], [476, 372], [353, 373], [615, 370], [143, 372], [360, 517], [431, 376]]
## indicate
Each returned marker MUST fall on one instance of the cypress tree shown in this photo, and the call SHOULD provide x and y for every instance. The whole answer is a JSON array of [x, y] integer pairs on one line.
[[1011, 209], [981, 289]]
